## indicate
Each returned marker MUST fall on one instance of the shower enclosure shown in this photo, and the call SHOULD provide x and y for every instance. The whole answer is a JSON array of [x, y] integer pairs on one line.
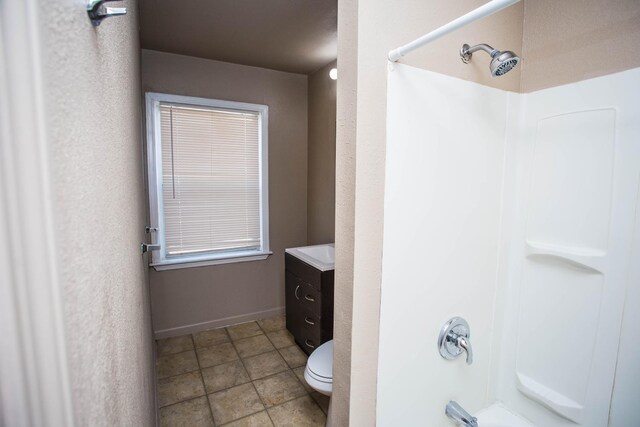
[[519, 213]]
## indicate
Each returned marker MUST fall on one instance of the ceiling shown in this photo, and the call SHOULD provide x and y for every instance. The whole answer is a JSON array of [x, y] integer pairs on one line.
[[298, 36]]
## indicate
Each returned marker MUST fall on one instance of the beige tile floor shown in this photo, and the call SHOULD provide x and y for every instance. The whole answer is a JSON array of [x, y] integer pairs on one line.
[[250, 374]]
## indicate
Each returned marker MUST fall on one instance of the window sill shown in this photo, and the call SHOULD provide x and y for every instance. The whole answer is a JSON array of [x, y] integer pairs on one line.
[[222, 259]]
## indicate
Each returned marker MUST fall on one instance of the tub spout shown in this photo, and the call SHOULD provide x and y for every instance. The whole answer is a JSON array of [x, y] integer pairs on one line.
[[459, 415]]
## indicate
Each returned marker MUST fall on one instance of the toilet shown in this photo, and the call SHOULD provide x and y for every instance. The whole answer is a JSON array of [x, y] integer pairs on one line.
[[319, 372]]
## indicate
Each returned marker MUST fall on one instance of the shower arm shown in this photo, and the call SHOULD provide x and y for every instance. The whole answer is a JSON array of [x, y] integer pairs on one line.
[[466, 51]]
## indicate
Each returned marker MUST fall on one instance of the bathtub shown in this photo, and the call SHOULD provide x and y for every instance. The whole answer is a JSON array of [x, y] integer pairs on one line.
[[497, 415]]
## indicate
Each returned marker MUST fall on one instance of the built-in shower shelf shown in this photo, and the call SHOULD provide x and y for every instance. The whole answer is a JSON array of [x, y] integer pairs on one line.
[[591, 259], [557, 402]]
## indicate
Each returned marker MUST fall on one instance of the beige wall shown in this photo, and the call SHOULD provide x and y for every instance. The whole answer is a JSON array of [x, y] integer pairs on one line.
[[372, 29], [572, 40], [203, 297], [92, 98], [321, 176], [346, 98], [366, 31]]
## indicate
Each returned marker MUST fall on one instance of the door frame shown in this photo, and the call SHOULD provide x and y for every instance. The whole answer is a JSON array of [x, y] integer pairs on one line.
[[35, 387]]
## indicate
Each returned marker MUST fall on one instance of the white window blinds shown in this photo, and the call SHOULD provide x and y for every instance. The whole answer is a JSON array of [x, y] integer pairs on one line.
[[210, 179]]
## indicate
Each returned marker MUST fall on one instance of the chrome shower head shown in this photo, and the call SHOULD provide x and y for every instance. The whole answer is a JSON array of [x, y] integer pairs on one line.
[[501, 62]]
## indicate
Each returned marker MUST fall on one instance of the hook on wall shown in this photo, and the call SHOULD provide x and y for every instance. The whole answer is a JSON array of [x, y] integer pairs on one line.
[[97, 11]]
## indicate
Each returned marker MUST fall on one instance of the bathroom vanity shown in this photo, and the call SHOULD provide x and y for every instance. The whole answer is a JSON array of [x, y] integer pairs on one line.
[[309, 273]]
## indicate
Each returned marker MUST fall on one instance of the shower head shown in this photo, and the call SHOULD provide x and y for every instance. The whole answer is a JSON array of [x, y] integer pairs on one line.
[[501, 62]]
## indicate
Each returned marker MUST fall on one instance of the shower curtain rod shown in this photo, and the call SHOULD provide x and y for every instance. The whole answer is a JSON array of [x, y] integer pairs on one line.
[[483, 11]]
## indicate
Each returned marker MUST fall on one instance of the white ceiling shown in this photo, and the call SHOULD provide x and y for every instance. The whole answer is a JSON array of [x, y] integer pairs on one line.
[[298, 36]]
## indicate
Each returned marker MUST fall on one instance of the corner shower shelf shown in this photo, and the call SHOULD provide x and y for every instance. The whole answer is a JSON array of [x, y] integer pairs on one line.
[[590, 259], [557, 402]]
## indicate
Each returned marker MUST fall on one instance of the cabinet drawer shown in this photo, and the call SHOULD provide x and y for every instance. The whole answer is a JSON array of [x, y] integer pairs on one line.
[[310, 299], [308, 343], [310, 331], [310, 325], [303, 270]]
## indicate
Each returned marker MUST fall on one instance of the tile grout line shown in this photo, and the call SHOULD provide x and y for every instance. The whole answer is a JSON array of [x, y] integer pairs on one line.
[[289, 369], [240, 359], [278, 349], [251, 380], [285, 360], [307, 393], [177, 375], [257, 354], [254, 386], [204, 386]]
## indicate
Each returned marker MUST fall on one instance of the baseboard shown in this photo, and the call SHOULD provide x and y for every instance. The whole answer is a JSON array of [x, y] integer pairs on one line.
[[217, 323]]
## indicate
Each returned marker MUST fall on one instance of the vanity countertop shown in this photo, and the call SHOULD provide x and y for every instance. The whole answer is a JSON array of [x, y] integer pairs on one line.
[[321, 257]]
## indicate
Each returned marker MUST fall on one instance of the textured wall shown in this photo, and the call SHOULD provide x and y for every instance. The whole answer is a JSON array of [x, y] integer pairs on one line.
[[572, 40], [375, 28], [321, 176], [92, 99], [346, 103], [203, 297]]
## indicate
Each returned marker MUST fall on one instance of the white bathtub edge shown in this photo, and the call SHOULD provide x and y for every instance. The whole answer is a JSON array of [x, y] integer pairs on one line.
[[497, 415]]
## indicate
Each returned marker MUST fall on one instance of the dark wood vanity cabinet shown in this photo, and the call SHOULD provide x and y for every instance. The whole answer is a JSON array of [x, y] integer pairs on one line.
[[308, 303]]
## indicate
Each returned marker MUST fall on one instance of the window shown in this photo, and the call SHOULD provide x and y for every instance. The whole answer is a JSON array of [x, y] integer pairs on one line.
[[207, 162]]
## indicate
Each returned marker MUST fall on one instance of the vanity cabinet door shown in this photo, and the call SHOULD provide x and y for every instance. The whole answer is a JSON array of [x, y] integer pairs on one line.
[[293, 305], [309, 303], [303, 270]]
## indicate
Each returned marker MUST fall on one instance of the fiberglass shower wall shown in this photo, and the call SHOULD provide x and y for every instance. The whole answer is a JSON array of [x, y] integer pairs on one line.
[[516, 212]]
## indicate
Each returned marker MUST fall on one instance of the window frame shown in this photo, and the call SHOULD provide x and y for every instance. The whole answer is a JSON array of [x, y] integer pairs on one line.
[[158, 258]]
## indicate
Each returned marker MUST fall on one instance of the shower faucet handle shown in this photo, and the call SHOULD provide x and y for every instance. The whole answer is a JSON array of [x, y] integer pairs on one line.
[[463, 343], [454, 339]]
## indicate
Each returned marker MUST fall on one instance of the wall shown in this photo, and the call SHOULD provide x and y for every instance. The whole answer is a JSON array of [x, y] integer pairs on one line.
[[572, 40], [441, 234], [624, 401], [371, 29], [346, 109], [569, 255], [92, 99], [204, 297], [569, 41], [321, 177]]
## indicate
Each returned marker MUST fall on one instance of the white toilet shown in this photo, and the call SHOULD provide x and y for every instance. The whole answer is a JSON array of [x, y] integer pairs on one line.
[[319, 372]]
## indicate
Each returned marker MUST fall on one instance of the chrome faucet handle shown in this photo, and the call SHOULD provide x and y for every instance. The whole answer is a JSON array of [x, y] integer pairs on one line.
[[463, 342], [459, 415], [454, 339]]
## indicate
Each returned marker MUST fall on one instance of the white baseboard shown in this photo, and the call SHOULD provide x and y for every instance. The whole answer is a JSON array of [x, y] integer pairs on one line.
[[216, 323]]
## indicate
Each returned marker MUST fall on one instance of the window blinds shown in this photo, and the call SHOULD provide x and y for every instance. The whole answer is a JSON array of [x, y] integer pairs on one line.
[[210, 179]]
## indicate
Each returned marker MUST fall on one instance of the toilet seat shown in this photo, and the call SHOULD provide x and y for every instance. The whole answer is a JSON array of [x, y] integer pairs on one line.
[[319, 370]]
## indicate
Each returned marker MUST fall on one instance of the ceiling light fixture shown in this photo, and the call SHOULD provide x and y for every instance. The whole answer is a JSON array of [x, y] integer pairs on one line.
[[333, 74]]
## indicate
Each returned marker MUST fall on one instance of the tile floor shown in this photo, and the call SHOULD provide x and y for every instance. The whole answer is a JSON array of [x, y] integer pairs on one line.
[[250, 374]]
